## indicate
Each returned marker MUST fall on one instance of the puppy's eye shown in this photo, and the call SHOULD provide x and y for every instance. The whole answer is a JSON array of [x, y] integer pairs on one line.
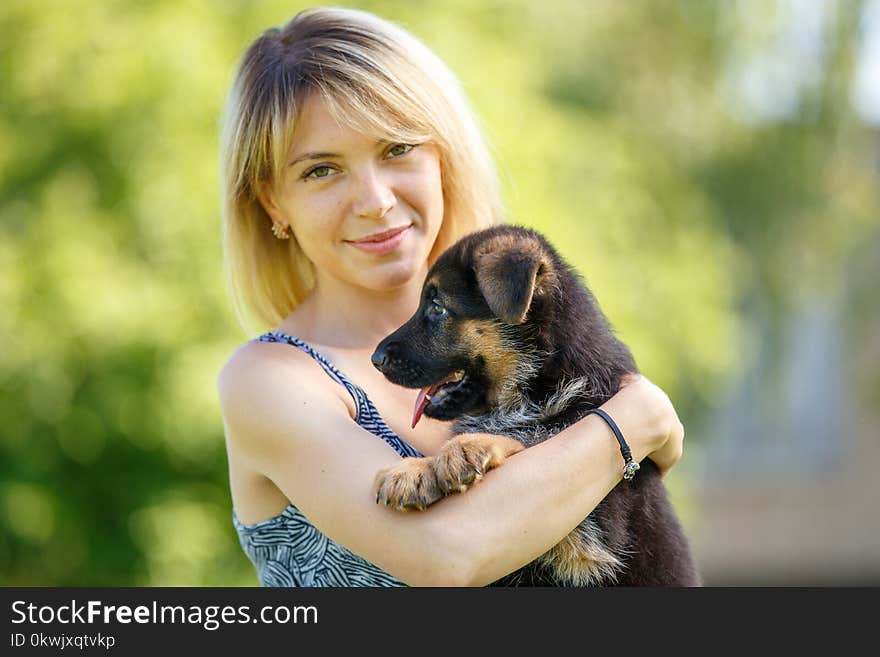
[[435, 310]]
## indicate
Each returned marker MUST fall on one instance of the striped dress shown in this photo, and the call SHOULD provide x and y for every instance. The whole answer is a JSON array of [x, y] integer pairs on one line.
[[288, 550]]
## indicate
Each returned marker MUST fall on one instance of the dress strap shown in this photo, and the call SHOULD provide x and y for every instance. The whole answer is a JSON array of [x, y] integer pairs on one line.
[[326, 365], [367, 415]]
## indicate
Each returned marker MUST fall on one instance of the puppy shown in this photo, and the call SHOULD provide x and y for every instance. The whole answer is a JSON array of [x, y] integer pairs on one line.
[[508, 340]]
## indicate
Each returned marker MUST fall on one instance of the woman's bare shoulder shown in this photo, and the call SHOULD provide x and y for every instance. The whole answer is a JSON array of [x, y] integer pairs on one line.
[[261, 363], [264, 387], [251, 365]]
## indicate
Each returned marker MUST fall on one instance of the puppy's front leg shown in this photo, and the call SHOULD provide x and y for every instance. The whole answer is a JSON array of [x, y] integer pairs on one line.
[[416, 483]]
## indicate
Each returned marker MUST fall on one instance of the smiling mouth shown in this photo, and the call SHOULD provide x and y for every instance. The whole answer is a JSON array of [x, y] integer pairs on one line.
[[381, 244], [436, 393], [380, 237]]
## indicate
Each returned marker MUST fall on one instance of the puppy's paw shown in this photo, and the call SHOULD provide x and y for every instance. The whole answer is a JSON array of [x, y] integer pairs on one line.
[[409, 485], [465, 459]]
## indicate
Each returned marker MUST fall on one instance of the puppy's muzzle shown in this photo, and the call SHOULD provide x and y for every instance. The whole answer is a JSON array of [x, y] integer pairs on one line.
[[383, 354]]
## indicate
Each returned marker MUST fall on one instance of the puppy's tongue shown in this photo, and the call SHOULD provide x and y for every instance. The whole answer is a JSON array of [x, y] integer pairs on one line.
[[423, 399], [421, 402]]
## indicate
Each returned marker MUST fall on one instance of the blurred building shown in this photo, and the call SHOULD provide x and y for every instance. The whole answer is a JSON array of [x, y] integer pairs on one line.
[[788, 489]]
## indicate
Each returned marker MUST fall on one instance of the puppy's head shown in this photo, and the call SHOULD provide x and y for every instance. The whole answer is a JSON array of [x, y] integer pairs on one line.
[[469, 345]]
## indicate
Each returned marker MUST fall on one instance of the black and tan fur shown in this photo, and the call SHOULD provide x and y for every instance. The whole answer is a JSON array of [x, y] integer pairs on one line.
[[537, 353]]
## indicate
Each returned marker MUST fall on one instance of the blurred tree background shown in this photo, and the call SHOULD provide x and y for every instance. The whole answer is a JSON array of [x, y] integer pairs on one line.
[[711, 168]]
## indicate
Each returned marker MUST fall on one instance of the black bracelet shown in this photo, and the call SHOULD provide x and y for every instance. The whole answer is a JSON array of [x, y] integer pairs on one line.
[[630, 466]]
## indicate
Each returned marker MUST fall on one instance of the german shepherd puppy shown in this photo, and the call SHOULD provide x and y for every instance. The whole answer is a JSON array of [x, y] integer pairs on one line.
[[508, 340]]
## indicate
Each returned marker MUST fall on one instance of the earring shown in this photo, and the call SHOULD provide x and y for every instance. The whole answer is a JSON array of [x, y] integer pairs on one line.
[[281, 232]]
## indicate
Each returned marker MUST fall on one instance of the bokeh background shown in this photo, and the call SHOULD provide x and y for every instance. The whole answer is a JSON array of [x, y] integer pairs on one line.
[[711, 168]]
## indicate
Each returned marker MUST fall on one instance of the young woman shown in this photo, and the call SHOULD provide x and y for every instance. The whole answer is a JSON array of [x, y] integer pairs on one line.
[[351, 160]]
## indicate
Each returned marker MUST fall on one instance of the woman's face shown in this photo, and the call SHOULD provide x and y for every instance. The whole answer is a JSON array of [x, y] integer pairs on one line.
[[366, 212]]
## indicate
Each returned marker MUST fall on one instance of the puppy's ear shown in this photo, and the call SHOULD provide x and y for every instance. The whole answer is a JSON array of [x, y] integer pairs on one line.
[[507, 275]]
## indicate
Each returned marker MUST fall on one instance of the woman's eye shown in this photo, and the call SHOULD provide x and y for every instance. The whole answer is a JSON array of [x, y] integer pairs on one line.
[[320, 171], [399, 149]]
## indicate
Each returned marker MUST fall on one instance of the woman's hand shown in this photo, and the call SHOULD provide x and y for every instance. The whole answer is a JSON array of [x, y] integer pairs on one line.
[[648, 421]]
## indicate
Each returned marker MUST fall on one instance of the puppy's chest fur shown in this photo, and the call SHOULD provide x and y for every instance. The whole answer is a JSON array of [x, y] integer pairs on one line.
[[532, 422], [583, 558]]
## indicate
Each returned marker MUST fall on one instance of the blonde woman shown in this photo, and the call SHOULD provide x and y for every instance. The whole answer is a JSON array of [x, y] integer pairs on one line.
[[350, 161]]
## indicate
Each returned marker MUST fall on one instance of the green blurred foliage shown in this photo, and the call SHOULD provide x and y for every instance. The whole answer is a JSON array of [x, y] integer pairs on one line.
[[614, 134]]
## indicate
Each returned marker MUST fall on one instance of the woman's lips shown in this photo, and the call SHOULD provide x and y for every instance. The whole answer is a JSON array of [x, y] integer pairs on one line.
[[382, 243]]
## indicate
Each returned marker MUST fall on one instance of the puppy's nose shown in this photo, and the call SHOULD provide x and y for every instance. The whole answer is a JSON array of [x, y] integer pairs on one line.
[[380, 356], [386, 354]]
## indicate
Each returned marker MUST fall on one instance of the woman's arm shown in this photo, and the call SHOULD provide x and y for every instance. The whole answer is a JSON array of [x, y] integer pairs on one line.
[[294, 428]]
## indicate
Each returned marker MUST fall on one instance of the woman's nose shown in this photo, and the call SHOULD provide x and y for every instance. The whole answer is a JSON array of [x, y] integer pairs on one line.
[[373, 195]]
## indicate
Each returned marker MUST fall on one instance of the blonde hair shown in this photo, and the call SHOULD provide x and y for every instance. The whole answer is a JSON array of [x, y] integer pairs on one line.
[[378, 79]]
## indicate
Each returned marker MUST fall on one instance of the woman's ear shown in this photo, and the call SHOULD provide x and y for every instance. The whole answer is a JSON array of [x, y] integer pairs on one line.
[[266, 196]]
